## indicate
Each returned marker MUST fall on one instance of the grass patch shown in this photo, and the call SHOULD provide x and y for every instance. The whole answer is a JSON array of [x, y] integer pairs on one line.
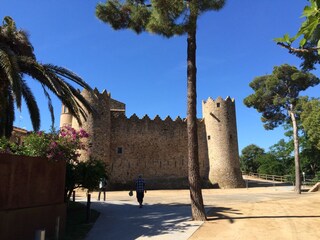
[[76, 225]]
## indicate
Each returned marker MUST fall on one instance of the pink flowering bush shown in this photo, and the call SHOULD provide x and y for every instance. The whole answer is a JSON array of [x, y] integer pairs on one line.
[[62, 145], [67, 145]]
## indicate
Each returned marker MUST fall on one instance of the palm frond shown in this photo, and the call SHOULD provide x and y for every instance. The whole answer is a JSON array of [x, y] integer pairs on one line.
[[32, 106], [67, 74], [49, 103], [10, 69]]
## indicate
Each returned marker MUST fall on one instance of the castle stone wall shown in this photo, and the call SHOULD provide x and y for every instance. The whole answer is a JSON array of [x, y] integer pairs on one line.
[[155, 148]]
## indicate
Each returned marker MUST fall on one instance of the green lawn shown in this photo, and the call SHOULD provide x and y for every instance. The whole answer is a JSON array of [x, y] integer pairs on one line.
[[76, 225]]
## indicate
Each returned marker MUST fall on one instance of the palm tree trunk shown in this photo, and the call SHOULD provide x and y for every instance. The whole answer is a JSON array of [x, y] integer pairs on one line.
[[297, 188], [197, 208]]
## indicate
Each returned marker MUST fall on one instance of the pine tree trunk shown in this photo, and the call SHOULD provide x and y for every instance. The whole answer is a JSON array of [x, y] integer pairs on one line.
[[197, 207], [297, 188]]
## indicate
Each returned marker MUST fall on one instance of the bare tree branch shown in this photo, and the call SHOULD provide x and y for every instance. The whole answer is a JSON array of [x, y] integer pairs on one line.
[[298, 50]]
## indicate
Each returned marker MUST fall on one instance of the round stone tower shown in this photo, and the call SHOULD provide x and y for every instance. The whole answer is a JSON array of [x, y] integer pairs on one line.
[[97, 125], [65, 117], [222, 140]]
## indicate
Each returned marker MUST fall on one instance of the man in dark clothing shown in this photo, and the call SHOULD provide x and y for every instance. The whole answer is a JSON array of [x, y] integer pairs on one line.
[[140, 190]]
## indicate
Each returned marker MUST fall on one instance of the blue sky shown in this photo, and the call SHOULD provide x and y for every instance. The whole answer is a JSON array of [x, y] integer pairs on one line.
[[148, 72]]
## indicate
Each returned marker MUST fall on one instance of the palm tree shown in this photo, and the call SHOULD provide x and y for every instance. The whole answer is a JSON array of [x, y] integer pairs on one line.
[[17, 60]]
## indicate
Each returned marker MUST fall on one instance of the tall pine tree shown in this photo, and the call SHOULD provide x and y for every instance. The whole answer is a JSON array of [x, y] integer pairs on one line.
[[276, 96], [169, 18]]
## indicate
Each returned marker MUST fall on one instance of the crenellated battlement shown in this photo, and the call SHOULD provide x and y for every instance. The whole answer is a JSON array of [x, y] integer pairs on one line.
[[157, 119], [96, 96], [219, 99]]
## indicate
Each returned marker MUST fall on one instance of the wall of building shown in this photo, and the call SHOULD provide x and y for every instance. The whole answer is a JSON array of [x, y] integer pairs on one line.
[[155, 148], [31, 196]]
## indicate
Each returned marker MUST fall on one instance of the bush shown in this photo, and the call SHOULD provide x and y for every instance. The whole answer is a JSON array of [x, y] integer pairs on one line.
[[317, 177], [62, 146]]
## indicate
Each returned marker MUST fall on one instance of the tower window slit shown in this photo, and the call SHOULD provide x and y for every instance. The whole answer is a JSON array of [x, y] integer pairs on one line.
[[119, 150]]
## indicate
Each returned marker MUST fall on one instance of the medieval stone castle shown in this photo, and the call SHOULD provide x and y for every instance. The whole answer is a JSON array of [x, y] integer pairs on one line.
[[157, 148]]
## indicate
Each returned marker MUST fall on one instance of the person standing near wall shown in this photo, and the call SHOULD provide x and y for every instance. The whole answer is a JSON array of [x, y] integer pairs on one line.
[[102, 188], [140, 190]]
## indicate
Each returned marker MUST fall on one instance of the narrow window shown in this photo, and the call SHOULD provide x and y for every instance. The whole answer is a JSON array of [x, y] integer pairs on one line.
[[119, 150], [218, 104], [65, 110], [209, 137]]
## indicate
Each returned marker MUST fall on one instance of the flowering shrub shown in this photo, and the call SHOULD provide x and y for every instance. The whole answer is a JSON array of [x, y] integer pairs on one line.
[[67, 144], [62, 145], [36, 144], [5, 145]]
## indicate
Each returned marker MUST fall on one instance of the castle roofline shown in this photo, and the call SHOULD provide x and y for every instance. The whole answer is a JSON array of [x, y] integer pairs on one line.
[[219, 99]]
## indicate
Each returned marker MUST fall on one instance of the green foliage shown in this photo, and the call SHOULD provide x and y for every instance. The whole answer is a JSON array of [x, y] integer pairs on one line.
[[317, 177], [91, 172], [167, 18], [277, 94], [282, 151], [308, 29], [269, 164], [36, 144], [84, 174], [63, 145], [310, 118], [5, 145], [308, 36], [279, 159], [310, 156], [310, 160], [249, 158]]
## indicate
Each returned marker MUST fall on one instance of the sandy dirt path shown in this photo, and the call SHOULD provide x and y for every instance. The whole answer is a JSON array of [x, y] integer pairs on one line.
[[263, 213], [294, 218]]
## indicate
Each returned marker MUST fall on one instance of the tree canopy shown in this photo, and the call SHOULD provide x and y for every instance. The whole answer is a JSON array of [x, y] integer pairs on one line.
[[249, 158], [310, 119], [17, 60], [278, 93], [162, 17]]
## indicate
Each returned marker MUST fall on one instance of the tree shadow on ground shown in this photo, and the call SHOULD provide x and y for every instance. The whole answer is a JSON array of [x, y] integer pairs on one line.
[[219, 213], [120, 220]]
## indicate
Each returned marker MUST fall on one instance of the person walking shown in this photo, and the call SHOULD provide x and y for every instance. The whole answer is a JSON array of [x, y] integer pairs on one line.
[[140, 190], [102, 188]]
